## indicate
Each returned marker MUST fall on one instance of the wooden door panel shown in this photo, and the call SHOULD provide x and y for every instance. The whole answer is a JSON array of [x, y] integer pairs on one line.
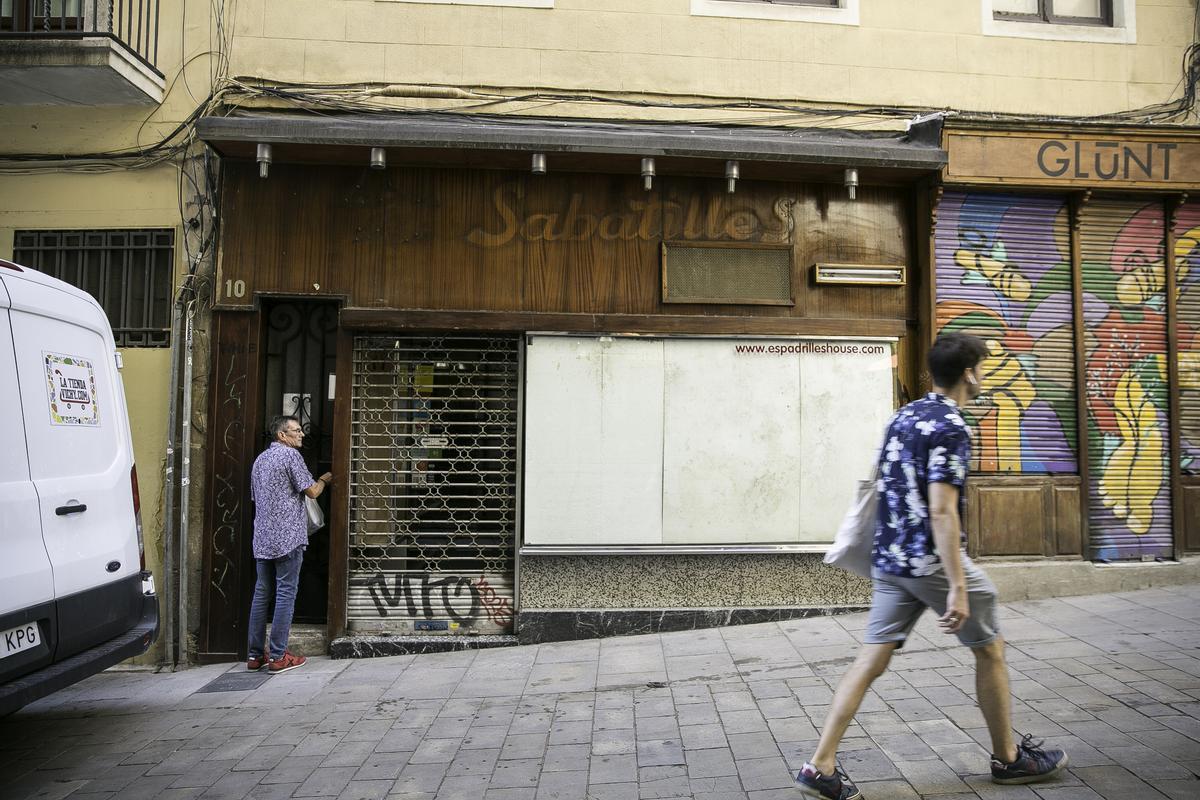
[[1068, 537], [1012, 520]]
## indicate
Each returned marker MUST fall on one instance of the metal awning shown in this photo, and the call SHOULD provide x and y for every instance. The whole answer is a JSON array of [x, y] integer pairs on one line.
[[917, 150]]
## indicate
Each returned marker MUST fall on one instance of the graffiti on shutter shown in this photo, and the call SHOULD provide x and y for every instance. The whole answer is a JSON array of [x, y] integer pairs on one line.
[[1003, 273], [1129, 499], [1187, 294], [433, 475]]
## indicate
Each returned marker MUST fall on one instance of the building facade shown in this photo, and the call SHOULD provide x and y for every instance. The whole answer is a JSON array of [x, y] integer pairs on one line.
[[96, 177], [596, 311]]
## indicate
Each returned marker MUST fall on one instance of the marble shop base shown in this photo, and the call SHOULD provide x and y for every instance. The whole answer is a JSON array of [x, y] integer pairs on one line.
[[537, 626], [541, 626], [376, 646]]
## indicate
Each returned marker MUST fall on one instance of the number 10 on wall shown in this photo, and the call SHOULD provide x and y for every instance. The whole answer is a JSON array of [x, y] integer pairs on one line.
[[235, 288]]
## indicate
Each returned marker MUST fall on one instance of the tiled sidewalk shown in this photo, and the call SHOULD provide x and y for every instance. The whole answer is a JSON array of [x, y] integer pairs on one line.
[[722, 714]]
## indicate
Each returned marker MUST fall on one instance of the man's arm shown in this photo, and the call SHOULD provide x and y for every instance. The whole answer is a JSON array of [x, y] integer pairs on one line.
[[947, 538], [302, 479], [319, 485]]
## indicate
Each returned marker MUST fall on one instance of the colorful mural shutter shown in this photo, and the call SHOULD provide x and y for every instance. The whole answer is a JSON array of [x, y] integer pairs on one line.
[[1187, 277], [1129, 497], [1004, 274]]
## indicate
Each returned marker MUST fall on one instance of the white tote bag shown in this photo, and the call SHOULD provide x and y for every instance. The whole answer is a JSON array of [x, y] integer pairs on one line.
[[855, 538], [316, 517]]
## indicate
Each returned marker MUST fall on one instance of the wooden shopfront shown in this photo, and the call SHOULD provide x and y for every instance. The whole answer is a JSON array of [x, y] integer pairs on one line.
[[1076, 255], [480, 339]]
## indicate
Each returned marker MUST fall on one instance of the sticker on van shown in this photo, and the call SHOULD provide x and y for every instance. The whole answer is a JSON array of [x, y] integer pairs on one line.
[[71, 383]]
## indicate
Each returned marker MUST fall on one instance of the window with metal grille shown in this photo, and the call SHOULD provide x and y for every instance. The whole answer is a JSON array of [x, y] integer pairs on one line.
[[129, 272], [721, 272], [1059, 12]]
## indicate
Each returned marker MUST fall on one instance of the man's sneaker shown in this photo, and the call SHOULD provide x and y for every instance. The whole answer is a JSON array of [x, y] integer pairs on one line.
[[837, 786], [1033, 764], [285, 662], [255, 663]]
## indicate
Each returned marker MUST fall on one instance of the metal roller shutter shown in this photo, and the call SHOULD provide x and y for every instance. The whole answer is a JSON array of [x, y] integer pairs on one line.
[[1004, 274], [1187, 276], [1129, 508], [433, 484]]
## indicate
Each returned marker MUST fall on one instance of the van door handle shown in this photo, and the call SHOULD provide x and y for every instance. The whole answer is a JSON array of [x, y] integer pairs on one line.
[[72, 508]]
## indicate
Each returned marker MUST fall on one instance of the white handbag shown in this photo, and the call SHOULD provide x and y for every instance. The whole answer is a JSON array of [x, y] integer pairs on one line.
[[316, 517], [855, 539]]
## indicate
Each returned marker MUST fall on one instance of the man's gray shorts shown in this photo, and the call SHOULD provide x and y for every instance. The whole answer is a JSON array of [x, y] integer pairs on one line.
[[898, 602]]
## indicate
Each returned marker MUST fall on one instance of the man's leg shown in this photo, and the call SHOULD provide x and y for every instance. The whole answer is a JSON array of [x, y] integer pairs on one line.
[[1027, 763], [995, 701], [871, 662], [287, 577], [894, 611], [981, 633], [264, 586]]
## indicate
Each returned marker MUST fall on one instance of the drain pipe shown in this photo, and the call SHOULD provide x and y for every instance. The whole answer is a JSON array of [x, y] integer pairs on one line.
[[185, 444], [169, 485]]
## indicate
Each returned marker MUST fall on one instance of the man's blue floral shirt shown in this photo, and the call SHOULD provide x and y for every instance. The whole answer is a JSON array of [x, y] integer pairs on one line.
[[927, 442]]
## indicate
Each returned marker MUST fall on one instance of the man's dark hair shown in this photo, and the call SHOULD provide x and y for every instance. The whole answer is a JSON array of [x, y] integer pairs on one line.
[[952, 354], [278, 423]]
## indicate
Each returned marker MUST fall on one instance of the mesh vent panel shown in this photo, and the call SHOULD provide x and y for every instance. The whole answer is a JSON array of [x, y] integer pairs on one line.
[[700, 274]]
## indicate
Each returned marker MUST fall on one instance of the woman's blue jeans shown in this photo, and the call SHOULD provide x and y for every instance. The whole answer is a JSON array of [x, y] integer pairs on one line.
[[279, 576]]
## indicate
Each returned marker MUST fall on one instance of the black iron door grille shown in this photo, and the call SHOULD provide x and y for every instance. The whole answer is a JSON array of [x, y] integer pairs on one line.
[[433, 480], [300, 358]]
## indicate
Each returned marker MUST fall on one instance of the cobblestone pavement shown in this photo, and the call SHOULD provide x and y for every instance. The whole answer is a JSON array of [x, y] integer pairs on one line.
[[722, 714]]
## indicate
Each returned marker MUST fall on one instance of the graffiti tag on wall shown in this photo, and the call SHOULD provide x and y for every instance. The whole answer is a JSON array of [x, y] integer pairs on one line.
[[498, 609], [460, 598]]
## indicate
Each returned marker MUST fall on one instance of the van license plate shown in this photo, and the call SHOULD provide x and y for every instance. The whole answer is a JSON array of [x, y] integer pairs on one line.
[[22, 637]]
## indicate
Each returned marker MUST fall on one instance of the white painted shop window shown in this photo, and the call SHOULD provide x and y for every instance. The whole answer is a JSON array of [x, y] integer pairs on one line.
[[1101, 21], [507, 3], [837, 12], [697, 441]]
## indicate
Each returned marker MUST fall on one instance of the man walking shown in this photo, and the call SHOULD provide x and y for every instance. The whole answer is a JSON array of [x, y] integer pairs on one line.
[[279, 481], [919, 563]]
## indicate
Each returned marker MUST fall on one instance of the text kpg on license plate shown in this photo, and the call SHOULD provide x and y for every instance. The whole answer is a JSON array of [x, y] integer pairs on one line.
[[22, 637]]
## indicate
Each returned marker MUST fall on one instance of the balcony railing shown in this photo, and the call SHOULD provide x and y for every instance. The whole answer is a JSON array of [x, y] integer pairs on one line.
[[133, 23]]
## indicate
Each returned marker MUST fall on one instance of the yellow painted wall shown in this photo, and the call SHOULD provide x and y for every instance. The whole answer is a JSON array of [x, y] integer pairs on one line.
[[127, 199], [903, 52], [145, 374]]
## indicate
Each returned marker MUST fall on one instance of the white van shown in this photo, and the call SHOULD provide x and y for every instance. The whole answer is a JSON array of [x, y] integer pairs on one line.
[[74, 594]]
